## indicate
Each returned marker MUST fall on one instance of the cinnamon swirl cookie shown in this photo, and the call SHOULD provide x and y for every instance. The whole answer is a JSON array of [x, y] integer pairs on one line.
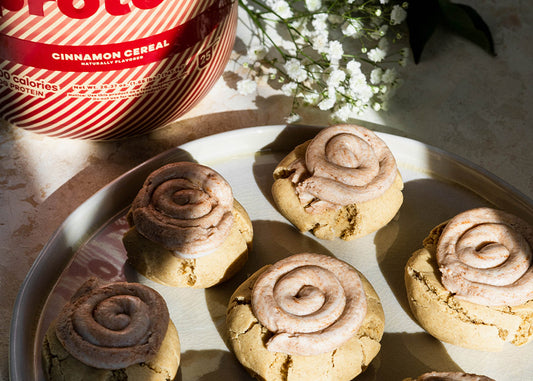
[[306, 317], [115, 331], [472, 283], [342, 183], [187, 230], [450, 376]]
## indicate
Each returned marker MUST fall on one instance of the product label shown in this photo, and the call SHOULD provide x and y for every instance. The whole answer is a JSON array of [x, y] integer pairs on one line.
[[90, 58]]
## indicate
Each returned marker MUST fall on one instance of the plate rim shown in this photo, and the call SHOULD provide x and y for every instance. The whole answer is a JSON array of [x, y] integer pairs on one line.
[[20, 334]]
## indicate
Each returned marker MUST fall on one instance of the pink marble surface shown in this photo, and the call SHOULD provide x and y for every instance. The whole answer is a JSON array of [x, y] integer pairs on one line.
[[459, 99]]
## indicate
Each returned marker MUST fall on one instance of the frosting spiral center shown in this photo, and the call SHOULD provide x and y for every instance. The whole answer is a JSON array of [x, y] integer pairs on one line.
[[343, 165], [311, 302], [180, 199], [485, 256], [113, 326], [347, 158], [310, 297], [186, 207], [121, 319]]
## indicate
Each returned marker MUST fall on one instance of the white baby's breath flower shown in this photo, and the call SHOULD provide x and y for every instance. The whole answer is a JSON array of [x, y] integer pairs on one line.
[[335, 77], [319, 22], [353, 67], [282, 9], [246, 86], [376, 55], [342, 113], [356, 81], [360, 88], [335, 51], [295, 70], [313, 5], [397, 15], [376, 75], [320, 42], [326, 104], [352, 28], [389, 76], [365, 93], [289, 88], [311, 98]]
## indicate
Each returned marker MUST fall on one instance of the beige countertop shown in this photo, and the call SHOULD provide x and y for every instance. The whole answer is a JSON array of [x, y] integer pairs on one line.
[[458, 99]]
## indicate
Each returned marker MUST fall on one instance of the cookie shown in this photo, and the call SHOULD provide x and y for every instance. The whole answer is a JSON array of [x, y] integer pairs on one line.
[[112, 332], [343, 183], [187, 230], [322, 320], [471, 284], [449, 376]]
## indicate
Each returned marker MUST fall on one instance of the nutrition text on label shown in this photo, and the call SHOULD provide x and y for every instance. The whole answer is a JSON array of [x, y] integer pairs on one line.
[[26, 85], [99, 91]]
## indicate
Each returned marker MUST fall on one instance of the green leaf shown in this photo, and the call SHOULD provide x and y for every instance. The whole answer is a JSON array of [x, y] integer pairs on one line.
[[422, 19], [466, 22]]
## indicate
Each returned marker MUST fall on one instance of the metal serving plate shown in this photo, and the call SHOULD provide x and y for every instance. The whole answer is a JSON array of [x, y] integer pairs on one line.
[[438, 185]]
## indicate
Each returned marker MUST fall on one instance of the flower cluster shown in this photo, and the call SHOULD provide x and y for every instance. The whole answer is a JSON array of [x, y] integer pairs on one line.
[[337, 55]]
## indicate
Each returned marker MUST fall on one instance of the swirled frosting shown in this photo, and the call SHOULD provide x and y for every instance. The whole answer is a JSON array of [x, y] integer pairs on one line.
[[185, 207], [452, 376], [343, 165], [484, 256], [113, 326], [311, 302]]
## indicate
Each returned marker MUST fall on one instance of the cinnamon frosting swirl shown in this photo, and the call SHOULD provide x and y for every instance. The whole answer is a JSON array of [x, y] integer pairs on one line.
[[485, 257], [344, 164], [185, 207], [113, 326], [311, 302]]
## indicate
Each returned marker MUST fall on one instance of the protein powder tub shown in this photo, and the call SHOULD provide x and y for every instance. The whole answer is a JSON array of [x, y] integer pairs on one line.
[[106, 69]]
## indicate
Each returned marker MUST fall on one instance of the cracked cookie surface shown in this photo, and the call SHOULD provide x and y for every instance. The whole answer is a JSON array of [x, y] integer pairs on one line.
[[456, 321], [248, 338]]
